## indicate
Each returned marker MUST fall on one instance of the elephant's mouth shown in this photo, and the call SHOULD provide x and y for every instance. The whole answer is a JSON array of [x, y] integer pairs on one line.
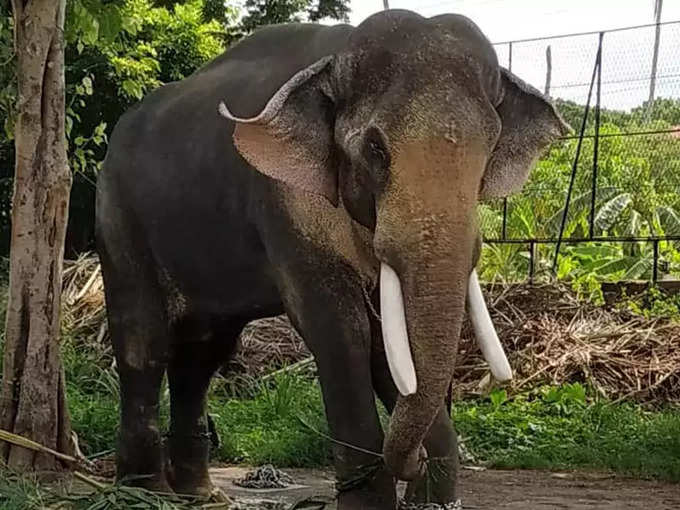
[[396, 339]]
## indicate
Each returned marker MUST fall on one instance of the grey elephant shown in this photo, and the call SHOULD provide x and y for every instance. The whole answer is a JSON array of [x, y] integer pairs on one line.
[[332, 173]]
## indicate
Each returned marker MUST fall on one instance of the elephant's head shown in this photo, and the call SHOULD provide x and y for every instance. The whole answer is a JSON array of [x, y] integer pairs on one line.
[[408, 128]]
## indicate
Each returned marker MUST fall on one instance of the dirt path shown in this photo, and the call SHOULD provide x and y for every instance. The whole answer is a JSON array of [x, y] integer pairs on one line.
[[492, 489]]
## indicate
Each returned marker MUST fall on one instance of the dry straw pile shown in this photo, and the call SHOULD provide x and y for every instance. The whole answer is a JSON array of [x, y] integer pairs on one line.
[[550, 337]]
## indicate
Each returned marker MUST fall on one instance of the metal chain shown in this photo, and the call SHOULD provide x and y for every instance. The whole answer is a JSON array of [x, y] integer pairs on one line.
[[265, 477], [454, 505]]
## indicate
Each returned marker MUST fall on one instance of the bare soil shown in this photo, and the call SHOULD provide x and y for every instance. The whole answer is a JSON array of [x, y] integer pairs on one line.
[[495, 489]]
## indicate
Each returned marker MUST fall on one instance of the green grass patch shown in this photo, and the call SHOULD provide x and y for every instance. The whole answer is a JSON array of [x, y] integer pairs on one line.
[[560, 428], [548, 428], [19, 493], [276, 425]]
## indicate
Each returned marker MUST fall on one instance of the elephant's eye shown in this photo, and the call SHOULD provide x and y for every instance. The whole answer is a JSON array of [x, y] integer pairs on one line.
[[376, 152]]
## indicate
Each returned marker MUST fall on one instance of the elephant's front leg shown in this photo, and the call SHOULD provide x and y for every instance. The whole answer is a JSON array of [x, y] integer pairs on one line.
[[326, 306]]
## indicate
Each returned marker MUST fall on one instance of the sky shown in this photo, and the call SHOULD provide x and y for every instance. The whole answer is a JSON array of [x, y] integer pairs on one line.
[[627, 55]]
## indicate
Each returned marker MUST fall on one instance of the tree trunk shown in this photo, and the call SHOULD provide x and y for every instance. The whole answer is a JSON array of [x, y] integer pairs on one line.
[[32, 397]]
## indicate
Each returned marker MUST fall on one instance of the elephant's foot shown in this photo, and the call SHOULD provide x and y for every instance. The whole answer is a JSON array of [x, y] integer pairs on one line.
[[140, 461], [188, 467], [374, 491], [437, 485]]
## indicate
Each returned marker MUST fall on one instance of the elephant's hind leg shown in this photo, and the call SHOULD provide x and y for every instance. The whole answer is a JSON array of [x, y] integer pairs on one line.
[[192, 364], [139, 334]]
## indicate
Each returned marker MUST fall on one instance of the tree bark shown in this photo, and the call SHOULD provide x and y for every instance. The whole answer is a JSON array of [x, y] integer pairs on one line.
[[32, 397]]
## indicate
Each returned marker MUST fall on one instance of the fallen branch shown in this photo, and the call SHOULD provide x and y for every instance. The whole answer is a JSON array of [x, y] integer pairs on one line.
[[37, 447]]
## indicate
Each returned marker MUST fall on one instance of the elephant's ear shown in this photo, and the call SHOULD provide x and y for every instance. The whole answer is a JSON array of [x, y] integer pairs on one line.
[[291, 139], [530, 123]]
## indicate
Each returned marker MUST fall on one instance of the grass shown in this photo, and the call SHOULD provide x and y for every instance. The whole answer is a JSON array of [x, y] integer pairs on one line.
[[273, 426], [26, 493], [560, 428], [19, 493], [548, 428]]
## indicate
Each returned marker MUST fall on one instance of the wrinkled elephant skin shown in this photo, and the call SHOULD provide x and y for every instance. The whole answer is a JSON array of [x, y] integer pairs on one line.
[[294, 173]]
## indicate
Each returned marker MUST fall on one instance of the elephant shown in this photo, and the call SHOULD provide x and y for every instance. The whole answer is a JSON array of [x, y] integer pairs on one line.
[[331, 173]]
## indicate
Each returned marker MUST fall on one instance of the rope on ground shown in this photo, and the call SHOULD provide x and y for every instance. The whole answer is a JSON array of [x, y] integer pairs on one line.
[[454, 505], [265, 477]]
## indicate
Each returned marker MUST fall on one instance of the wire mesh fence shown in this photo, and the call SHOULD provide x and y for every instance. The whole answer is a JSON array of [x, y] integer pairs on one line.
[[607, 197]]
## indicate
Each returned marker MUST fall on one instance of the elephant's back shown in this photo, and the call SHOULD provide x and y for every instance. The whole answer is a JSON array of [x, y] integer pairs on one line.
[[178, 125], [248, 74]]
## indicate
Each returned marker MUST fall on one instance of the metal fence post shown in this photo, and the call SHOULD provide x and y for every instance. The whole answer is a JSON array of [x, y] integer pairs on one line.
[[577, 157], [655, 267], [532, 260], [596, 146]]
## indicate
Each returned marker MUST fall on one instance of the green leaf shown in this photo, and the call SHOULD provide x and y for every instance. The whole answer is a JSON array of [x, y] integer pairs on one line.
[[87, 84], [640, 268], [91, 31], [110, 24], [611, 210], [669, 219], [498, 397], [579, 205], [634, 224]]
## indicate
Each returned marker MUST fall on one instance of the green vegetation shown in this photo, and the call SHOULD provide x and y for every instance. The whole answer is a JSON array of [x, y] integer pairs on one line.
[[654, 304], [282, 421], [549, 428], [561, 428], [638, 195], [25, 493]]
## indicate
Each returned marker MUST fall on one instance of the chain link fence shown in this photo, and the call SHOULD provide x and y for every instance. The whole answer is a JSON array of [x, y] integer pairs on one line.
[[607, 197]]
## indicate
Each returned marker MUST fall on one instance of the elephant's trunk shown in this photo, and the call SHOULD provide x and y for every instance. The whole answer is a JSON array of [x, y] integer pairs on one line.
[[434, 283]]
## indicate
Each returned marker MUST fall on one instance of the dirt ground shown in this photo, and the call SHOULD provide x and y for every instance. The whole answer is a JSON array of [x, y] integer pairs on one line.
[[494, 489]]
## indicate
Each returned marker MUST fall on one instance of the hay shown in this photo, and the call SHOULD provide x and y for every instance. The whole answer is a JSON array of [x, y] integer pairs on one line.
[[550, 337], [83, 308], [267, 345]]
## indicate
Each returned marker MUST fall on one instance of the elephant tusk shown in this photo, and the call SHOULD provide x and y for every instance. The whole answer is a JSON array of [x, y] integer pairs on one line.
[[485, 333], [395, 334]]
